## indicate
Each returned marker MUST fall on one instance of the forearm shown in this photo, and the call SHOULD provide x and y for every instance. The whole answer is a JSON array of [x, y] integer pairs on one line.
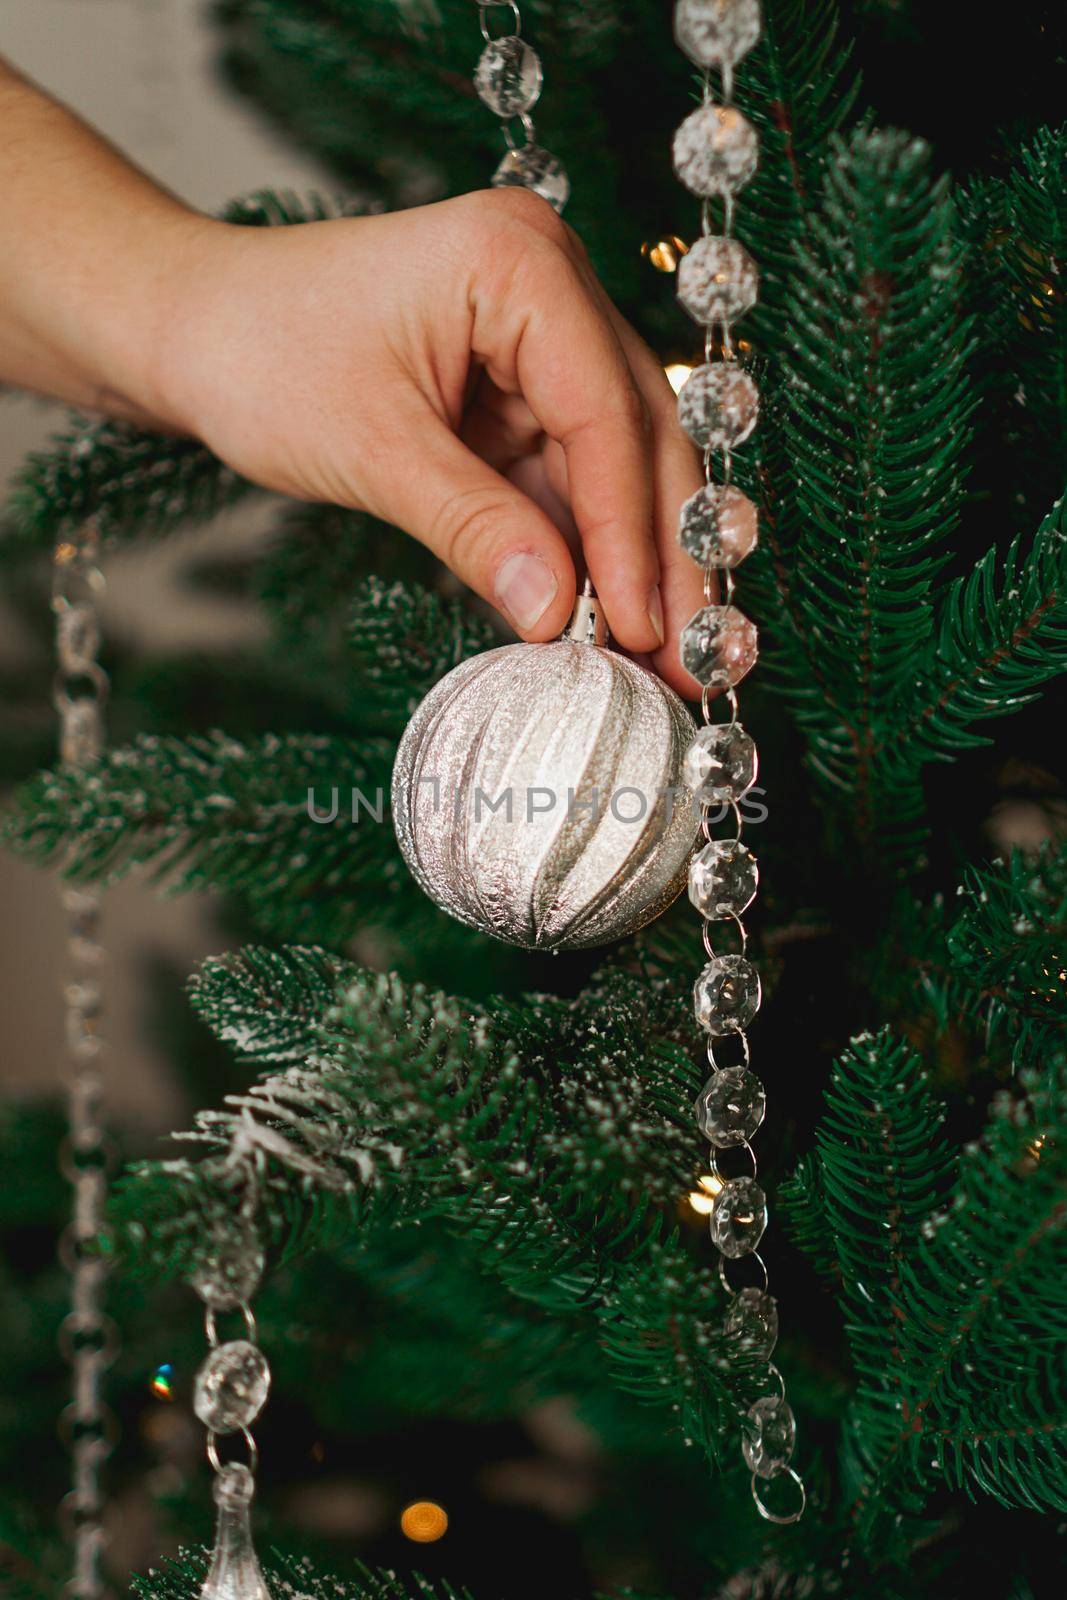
[[90, 260]]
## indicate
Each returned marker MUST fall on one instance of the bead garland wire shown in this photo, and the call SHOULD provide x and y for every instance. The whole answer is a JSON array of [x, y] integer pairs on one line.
[[231, 1390], [88, 1337], [508, 80], [715, 155]]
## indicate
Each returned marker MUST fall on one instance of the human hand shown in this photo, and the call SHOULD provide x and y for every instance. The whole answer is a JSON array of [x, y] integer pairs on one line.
[[456, 370]]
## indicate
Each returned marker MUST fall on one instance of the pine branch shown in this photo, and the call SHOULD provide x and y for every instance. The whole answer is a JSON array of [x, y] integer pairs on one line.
[[876, 432], [1008, 944], [413, 73], [318, 561], [984, 1313], [1017, 228], [953, 1290], [996, 644], [804, 1213], [461, 1112], [266, 1004], [1035, 259], [404, 638], [427, 1280], [180, 1578], [799, 90], [132, 483], [210, 812], [994, 965], [882, 1168]]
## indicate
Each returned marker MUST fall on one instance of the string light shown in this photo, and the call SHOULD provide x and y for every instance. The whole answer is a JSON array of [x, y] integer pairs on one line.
[[424, 1522], [1034, 1148], [665, 253], [703, 1197], [677, 374]]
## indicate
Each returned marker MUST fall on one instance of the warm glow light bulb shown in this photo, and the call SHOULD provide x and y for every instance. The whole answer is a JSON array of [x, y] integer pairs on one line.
[[424, 1522], [703, 1198], [677, 373], [665, 254]]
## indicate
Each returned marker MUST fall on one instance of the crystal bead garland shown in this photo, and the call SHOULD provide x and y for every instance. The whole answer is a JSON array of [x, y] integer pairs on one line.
[[230, 1391], [508, 81], [88, 1337], [715, 154]]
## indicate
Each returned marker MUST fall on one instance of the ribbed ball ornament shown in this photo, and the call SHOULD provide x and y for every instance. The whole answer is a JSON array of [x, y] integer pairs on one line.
[[538, 792]]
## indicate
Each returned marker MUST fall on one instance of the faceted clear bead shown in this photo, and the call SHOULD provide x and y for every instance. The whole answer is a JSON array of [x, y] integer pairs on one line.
[[714, 33], [721, 763], [730, 1107], [770, 1436], [719, 526], [534, 168], [719, 405], [234, 1573], [726, 996], [719, 645], [739, 1218], [717, 280], [723, 878], [231, 1266], [715, 151], [751, 1324], [231, 1387], [508, 77]]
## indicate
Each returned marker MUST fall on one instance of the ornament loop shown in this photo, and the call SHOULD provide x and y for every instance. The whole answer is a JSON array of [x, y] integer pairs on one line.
[[774, 1373], [528, 128], [783, 1519], [486, 7], [250, 1444], [211, 1328], [705, 934], [741, 1038], [721, 1150], [754, 1256]]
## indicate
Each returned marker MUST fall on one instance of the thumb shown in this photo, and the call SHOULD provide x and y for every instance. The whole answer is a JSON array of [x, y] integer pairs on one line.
[[488, 532]]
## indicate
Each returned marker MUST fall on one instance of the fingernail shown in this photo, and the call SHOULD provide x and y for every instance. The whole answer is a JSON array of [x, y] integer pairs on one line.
[[655, 613], [526, 587]]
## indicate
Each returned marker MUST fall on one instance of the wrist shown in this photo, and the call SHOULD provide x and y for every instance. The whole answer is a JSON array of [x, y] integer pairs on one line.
[[201, 295], [142, 365]]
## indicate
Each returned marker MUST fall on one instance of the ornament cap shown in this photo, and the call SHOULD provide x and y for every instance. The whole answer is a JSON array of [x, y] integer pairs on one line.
[[588, 624]]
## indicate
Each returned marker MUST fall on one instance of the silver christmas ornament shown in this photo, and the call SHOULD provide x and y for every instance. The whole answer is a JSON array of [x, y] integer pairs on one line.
[[538, 792]]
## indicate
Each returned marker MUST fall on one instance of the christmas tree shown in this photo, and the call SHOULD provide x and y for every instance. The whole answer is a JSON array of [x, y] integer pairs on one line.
[[480, 1188]]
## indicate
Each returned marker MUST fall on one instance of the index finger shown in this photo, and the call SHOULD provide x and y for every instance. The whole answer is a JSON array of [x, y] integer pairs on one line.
[[543, 333]]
